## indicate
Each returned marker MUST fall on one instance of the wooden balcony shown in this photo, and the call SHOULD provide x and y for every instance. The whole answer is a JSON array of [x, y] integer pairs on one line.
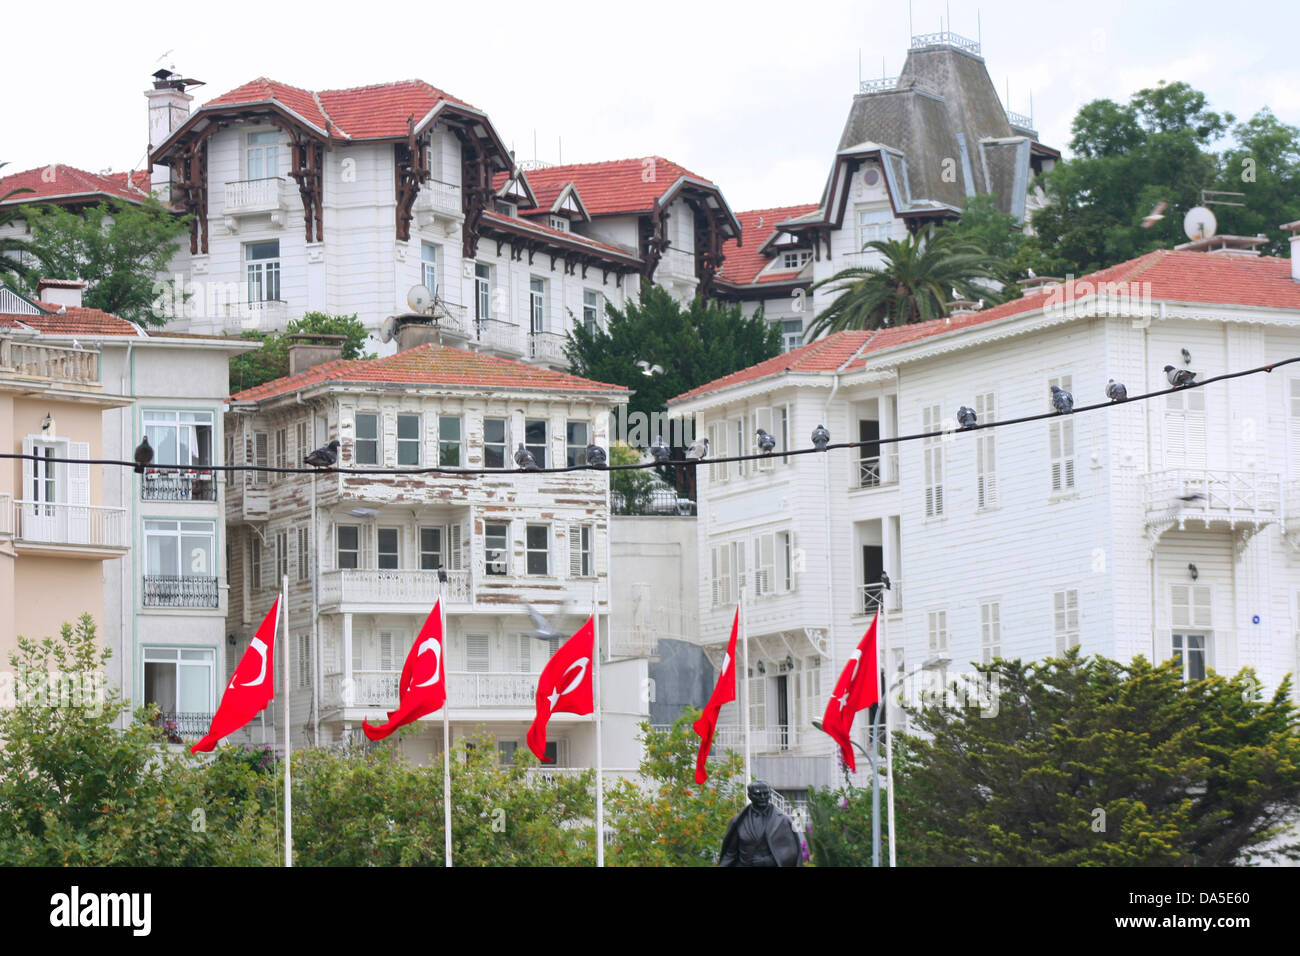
[[392, 590], [1212, 498], [370, 690]]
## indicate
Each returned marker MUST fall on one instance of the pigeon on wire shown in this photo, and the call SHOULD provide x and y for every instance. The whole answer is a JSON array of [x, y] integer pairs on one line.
[[541, 630], [766, 443], [595, 456], [525, 460], [1062, 400], [324, 457], [143, 455], [1179, 377], [1116, 392], [966, 417], [659, 451], [821, 437], [698, 451]]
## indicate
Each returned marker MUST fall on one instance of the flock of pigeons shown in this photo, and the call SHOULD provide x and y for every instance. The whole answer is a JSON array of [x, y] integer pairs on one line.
[[327, 456]]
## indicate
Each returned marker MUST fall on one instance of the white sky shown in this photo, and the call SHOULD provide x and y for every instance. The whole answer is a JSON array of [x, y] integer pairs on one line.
[[752, 96]]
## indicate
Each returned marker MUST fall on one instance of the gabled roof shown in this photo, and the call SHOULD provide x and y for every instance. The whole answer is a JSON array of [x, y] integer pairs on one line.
[[743, 264], [74, 320], [59, 183], [432, 366], [617, 186], [558, 237], [1175, 277]]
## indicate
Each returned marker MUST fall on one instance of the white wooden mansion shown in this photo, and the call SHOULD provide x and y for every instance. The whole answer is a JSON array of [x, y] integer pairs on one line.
[[378, 542], [1168, 528]]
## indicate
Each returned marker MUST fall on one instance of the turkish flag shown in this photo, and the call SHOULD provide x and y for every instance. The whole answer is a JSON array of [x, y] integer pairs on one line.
[[857, 689], [723, 693], [251, 688], [565, 686], [422, 688]]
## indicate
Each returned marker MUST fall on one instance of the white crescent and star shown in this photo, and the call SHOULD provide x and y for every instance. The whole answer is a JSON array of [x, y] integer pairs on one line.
[[432, 644], [581, 664], [256, 645]]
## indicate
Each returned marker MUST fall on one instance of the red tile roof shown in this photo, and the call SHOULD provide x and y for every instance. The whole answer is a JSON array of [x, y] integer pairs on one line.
[[61, 182], [1180, 277], [73, 321], [743, 263], [430, 365], [617, 186], [364, 112]]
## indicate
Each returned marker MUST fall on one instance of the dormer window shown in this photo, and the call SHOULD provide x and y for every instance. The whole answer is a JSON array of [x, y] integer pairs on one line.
[[796, 259], [504, 208], [560, 223]]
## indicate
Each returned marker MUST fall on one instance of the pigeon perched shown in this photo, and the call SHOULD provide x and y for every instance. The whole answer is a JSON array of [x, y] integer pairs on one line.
[[1062, 400], [324, 457], [884, 579], [541, 630], [966, 417], [1179, 377], [698, 451], [525, 460], [821, 437], [143, 455], [659, 451], [766, 443], [595, 456], [1115, 391]]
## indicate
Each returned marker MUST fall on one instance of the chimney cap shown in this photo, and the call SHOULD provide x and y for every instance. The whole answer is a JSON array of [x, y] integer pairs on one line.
[[316, 338], [43, 284]]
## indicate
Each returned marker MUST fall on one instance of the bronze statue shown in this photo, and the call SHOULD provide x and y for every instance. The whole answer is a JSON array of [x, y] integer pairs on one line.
[[760, 834]]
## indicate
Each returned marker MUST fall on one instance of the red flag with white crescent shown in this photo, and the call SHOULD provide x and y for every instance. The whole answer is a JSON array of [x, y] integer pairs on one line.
[[251, 687], [565, 686], [857, 689], [422, 688], [723, 693]]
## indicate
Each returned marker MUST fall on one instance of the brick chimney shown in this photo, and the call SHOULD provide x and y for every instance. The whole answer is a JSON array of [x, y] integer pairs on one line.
[[307, 350], [1294, 229], [169, 107], [60, 292]]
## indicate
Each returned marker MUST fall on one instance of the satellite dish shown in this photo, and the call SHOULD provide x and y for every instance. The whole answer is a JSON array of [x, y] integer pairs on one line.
[[388, 329], [419, 298], [1199, 223]]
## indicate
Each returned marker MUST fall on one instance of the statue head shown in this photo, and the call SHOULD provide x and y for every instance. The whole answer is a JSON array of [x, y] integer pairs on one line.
[[760, 794]]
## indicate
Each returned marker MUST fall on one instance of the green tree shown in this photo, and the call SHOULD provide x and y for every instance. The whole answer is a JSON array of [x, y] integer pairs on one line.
[[1264, 164], [985, 226], [666, 818], [75, 791], [1090, 762], [694, 345], [271, 361], [118, 248], [916, 281], [1128, 157], [12, 268]]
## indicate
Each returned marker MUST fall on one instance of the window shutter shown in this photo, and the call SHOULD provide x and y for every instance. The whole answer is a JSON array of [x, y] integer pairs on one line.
[[366, 544], [724, 570], [385, 650], [29, 469], [476, 653], [766, 546], [259, 456], [454, 557], [716, 579], [358, 658], [758, 701], [739, 563], [575, 550]]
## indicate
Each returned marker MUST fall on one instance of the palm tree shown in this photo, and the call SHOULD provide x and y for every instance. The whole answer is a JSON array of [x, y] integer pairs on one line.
[[11, 247], [919, 275]]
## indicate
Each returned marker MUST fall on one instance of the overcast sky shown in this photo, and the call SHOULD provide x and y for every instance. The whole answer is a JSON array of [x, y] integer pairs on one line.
[[752, 96]]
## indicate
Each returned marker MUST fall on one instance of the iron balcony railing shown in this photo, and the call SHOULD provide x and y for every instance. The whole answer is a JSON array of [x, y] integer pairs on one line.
[[182, 727], [500, 336], [172, 590], [656, 501], [159, 485]]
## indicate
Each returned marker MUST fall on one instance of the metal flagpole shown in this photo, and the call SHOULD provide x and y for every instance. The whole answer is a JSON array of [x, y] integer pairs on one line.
[[446, 733], [889, 735], [595, 689], [744, 643], [288, 776]]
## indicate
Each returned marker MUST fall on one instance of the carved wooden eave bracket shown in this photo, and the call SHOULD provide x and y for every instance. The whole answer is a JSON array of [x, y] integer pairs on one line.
[[411, 170], [307, 170], [653, 241], [476, 188]]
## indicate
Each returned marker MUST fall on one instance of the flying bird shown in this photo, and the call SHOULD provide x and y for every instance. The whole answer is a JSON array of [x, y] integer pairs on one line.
[[821, 437], [1155, 215], [1194, 496], [698, 451], [648, 369], [324, 457], [525, 460], [143, 455], [659, 451], [595, 456], [766, 443], [1179, 377], [541, 630], [1062, 400], [1115, 391], [966, 417]]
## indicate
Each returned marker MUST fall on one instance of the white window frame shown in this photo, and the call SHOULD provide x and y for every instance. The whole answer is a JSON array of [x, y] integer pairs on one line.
[[986, 472], [1065, 619], [186, 423], [990, 630], [429, 267], [504, 444], [377, 440], [339, 550], [1185, 439], [482, 291], [590, 309], [932, 461], [538, 450], [197, 657], [262, 154], [1060, 446], [447, 444], [544, 551], [504, 558], [536, 304], [938, 630], [795, 258], [263, 272], [410, 444], [180, 530], [576, 452], [581, 564], [281, 556]]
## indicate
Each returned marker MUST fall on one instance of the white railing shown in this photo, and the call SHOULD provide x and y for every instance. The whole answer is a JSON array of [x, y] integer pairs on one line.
[[677, 262], [1292, 513], [1020, 119], [1214, 495], [761, 739], [439, 197], [945, 38], [393, 587], [42, 522], [875, 86], [547, 347], [6, 514], [501, 336], [249, 195], [453, 320], [49, 361], [464, 689], [870, 597], [869, 475], [267, 314]]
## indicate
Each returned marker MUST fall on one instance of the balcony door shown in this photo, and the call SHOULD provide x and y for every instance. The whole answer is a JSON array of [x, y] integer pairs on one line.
[[56, 503], [873, 563], [869, 454]]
